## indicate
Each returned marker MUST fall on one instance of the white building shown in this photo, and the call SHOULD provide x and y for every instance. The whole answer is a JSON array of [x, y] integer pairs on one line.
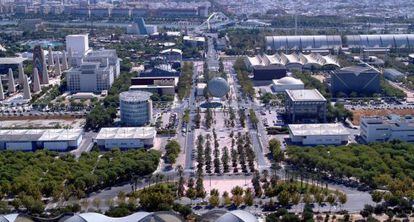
[[90, 77], [135, 108], [126, 137], [78, 44], [32, 139], [200, 88], [285, 83], [382, 129], [318, 134]]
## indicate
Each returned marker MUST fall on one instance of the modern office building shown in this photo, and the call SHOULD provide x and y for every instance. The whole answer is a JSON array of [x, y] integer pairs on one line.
[[318, 134], [156, 80], [126, 137], [135, 108], [164, 70], [155, 89], [77, 44], [394, 75], [305, 106], [303, 43], [285, 83], [32, 139], [359, 79], [382, 129], [90, 77]]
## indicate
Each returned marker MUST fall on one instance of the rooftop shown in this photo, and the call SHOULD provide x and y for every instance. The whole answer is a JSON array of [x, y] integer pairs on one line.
[[127, 133], [134, 96], [357, 69], [11, 60], [40, 134], [304, 95], [323, 129]]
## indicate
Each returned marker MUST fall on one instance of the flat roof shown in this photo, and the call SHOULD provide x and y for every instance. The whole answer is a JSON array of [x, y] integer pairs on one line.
[[149, 87], [40, 134], [12, 60], [126, 133], [323, 129], [304, 95]]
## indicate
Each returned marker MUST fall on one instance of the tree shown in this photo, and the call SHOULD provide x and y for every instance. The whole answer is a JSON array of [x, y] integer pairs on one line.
[[234, 160], [207, 156], [96, 202], [225, 160], [283, 198], [85, 204], [214, 199], [226, 198], [217, 164], [237, 193], [248, 197], [331, 199], [377, 196], [209, 118], [274, 147], [295, 198], [200, 192], [256, 184], [172, 150], [158, 197], [191, 192]]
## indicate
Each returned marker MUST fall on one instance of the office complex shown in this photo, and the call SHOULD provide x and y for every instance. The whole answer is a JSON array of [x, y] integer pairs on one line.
[[32, 139], [77, 44], [90, 77], [382, 129], [355, 79], [318, 134], [126, 137], [135, 108], [305, 106], [163, 70]]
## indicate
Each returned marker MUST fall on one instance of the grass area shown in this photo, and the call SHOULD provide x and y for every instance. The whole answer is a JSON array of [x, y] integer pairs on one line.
[[243, 77]]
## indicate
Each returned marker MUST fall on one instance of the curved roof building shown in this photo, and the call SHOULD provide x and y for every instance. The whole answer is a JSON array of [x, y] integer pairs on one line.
[[218, 87], [285, 83], [136, 217], [294, 61], [380, 41], [304, 42], [237, 216]]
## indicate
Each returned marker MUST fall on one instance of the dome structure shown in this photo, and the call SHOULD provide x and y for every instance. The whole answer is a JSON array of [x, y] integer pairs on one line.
[[285, 83], [135, 217], [289, 81], [218, 87], [237, 216]]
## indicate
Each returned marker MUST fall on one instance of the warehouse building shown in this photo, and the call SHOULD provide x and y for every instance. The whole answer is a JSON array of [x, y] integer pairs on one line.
[[382, 129], [304, 42], [305, 106], [126, 137], [32, 139], [318, 134], [358, 79]]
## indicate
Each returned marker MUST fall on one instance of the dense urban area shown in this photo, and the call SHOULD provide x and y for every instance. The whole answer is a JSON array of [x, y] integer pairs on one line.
[[206, 110]]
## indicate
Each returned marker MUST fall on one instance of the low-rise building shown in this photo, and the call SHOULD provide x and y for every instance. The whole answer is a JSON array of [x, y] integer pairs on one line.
[[126, 137], [382, 129], [32, 139], [155, 89], [355, 79], [194, 40], [394, 75], [318, 134], [285, 83], [305, 106]]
